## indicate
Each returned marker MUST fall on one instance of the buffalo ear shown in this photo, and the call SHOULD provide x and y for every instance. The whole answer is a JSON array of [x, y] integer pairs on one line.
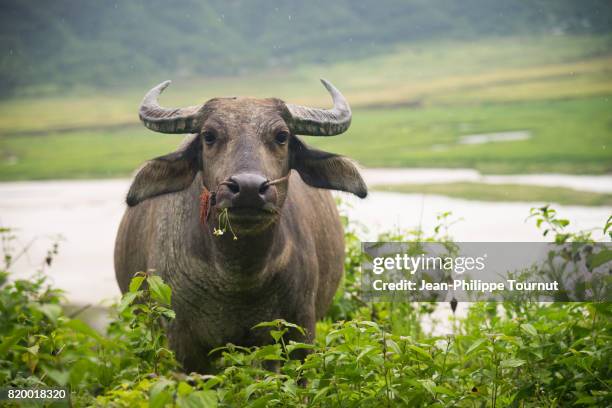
[[326, 170], [167, 174]]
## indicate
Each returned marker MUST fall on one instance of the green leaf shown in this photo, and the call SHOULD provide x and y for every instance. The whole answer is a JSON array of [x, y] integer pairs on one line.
[[273, 323], [529, 329], [159, 290], [475, 345], [127, 300], [299, 346], [602, 257], [184, 389], [511, 363], [278, 323], [169, 313], [562, 222], [250, 389], [419, 351], [323, 391], [277, 334], [394, 346], [59, 377], [51, 310], [428, 385], [295, 326], [136, 282], [33, 350], [9, 342], [586, 399], [262, 402], [83, 328], [269, 352], [608, 224], [443, 390], [366, 351], [211, 382], [198, 399], [159, 396]]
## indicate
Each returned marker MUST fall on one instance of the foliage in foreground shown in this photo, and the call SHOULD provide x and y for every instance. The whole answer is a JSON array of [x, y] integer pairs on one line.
[[510, 354]]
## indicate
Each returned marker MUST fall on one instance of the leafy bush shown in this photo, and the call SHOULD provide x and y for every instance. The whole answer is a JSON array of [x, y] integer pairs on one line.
[[377, 354]]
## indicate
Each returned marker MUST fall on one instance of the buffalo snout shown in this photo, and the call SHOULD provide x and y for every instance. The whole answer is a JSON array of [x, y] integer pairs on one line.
[[249, 191]]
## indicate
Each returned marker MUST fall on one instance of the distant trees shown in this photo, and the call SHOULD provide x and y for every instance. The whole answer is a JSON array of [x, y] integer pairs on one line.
[[70, 42]]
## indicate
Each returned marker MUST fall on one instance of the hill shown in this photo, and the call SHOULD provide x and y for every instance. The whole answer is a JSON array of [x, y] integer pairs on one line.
[[71, 43]]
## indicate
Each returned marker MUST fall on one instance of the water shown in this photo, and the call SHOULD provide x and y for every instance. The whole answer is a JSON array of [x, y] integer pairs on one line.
[[597, 184], [484, 138], [87, 214]]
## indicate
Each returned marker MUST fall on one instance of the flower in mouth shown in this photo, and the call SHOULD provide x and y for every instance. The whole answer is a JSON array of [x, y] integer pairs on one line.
[[224, 224]]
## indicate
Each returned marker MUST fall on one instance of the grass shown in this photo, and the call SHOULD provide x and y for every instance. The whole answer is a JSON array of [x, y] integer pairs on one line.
[[568, 136], [405, 103], [430, 73], [86, 154], [505, 192]]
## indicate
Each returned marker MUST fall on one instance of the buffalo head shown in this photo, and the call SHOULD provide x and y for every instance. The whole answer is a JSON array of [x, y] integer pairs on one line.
[[245, 149]]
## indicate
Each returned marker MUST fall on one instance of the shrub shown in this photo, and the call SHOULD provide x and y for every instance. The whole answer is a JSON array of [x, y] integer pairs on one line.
[[510, 354]]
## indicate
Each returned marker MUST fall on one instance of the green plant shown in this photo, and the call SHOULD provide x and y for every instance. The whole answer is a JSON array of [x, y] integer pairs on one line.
[[517, 354], [42, 346]]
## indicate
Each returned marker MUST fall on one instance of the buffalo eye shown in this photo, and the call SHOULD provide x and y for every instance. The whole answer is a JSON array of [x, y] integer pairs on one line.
[[209, 137], [281, 137]]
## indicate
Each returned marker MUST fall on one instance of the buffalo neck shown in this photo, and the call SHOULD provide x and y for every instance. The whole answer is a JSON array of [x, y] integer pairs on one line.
[[248, 255]]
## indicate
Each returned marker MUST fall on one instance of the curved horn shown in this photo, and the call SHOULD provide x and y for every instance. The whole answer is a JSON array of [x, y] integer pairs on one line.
[[168, 120], [303, 120]]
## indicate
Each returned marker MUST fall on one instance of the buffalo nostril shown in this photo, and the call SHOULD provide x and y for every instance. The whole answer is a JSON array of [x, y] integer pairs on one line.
[[233, 186], [248, 190]]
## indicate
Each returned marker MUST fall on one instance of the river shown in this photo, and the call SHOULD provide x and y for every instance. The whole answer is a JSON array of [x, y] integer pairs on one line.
[[87, 212]]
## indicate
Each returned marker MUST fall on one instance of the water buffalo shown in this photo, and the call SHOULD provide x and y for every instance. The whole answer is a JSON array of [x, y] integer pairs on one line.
[[282, 258]]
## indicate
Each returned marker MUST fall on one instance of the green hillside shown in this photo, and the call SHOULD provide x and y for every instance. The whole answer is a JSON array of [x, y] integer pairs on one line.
[[52, 45], [411, 108]]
